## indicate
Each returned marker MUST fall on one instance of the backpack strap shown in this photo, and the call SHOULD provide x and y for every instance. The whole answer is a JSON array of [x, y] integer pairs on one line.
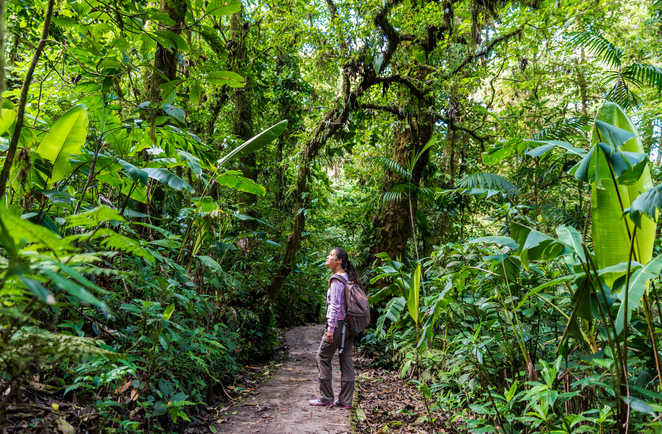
[[339, 278], [345, 282]]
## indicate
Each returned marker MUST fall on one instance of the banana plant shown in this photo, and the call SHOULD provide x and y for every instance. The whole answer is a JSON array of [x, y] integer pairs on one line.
[[624, 210]]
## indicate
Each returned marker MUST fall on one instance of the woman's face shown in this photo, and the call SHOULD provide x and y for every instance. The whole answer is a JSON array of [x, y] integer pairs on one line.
[[332, 260]]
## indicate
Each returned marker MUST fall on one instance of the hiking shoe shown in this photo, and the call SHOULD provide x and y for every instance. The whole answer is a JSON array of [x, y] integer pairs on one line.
[[319, 403], [345, 406]]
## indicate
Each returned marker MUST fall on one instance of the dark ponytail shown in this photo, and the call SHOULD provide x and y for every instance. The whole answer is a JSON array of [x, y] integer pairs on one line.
[[348, 266]]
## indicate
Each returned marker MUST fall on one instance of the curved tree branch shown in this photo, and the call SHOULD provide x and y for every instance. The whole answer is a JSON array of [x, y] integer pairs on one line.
[[485, 51]]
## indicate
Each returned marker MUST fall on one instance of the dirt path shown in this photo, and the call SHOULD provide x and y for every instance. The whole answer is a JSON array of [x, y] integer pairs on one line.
[[281, 404]]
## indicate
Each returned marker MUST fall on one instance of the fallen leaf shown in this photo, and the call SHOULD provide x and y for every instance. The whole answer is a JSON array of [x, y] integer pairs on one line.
[[65, 427], [55, 406], [123, 388], [134, 395], [299, 379]]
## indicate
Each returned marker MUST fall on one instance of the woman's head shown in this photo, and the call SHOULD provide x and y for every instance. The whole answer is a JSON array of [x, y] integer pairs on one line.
[[338, 261]]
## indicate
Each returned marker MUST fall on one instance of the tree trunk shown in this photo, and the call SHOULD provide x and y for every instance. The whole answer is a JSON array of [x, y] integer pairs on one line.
[[165, 59], [242, 114], [165, 70], [286, 66], [393, 225]]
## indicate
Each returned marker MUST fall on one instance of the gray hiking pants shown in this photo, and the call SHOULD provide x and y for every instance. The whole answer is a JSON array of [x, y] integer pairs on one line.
[[324, 356]]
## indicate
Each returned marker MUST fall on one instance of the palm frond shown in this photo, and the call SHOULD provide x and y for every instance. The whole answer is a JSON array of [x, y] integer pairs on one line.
[[597, 44], [622, 95], [644, 74], [564, 129], [426, 193], [393, 166], [490, 183]]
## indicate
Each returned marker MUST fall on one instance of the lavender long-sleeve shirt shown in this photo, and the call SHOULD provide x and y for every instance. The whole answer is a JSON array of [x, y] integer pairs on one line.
[[335, 303]]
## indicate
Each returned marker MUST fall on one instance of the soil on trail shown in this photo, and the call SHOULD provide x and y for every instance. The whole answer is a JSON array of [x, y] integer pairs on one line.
[[281, 404]]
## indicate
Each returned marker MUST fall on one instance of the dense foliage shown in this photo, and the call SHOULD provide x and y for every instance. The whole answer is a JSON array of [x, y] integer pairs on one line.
[[173, 175]]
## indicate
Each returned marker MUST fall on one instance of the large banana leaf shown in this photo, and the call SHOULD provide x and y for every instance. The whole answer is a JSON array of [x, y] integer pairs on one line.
[[610, 231]]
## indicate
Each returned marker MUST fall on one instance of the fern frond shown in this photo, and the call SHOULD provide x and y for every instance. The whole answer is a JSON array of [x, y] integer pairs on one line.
[[597, 44], [393, 166], [644, 74], [393, 196], [29, 344], [565, 129], [113, 240], [483, 182]]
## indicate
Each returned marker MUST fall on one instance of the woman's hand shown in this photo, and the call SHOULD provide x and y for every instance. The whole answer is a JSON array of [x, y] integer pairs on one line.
[[329, 336]]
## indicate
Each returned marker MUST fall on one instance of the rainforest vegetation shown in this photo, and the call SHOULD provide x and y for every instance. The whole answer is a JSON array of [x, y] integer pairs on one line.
[[174, 174]]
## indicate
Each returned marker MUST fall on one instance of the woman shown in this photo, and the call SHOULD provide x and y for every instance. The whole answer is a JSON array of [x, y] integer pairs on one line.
[[336, 336]]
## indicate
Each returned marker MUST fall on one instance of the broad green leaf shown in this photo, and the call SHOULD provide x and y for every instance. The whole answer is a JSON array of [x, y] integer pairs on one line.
[[80, 278], [138, 175], [75, 290], [581, 170], [7, 118], [573, 239], [539, 246], [206, 205], [65, 138], [638, 285], [414, 293], [627, 166], [38, 290], [613, 272], [640, 405], [195, 91], [554, 282], [610, 229], [31, 233], [244, 217], [174, 112], [94, 217], [548, 145], [192, 161], [210, 263], [265, 137], [499, 240], [167, 313], [646, 204], [168, 178], [221, 8], [612, 134], [227, 78], [233, 179], [171, 40]]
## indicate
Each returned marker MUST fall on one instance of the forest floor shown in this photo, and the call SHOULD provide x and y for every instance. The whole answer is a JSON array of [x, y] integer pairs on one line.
[[281, 404], [384, 402]]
